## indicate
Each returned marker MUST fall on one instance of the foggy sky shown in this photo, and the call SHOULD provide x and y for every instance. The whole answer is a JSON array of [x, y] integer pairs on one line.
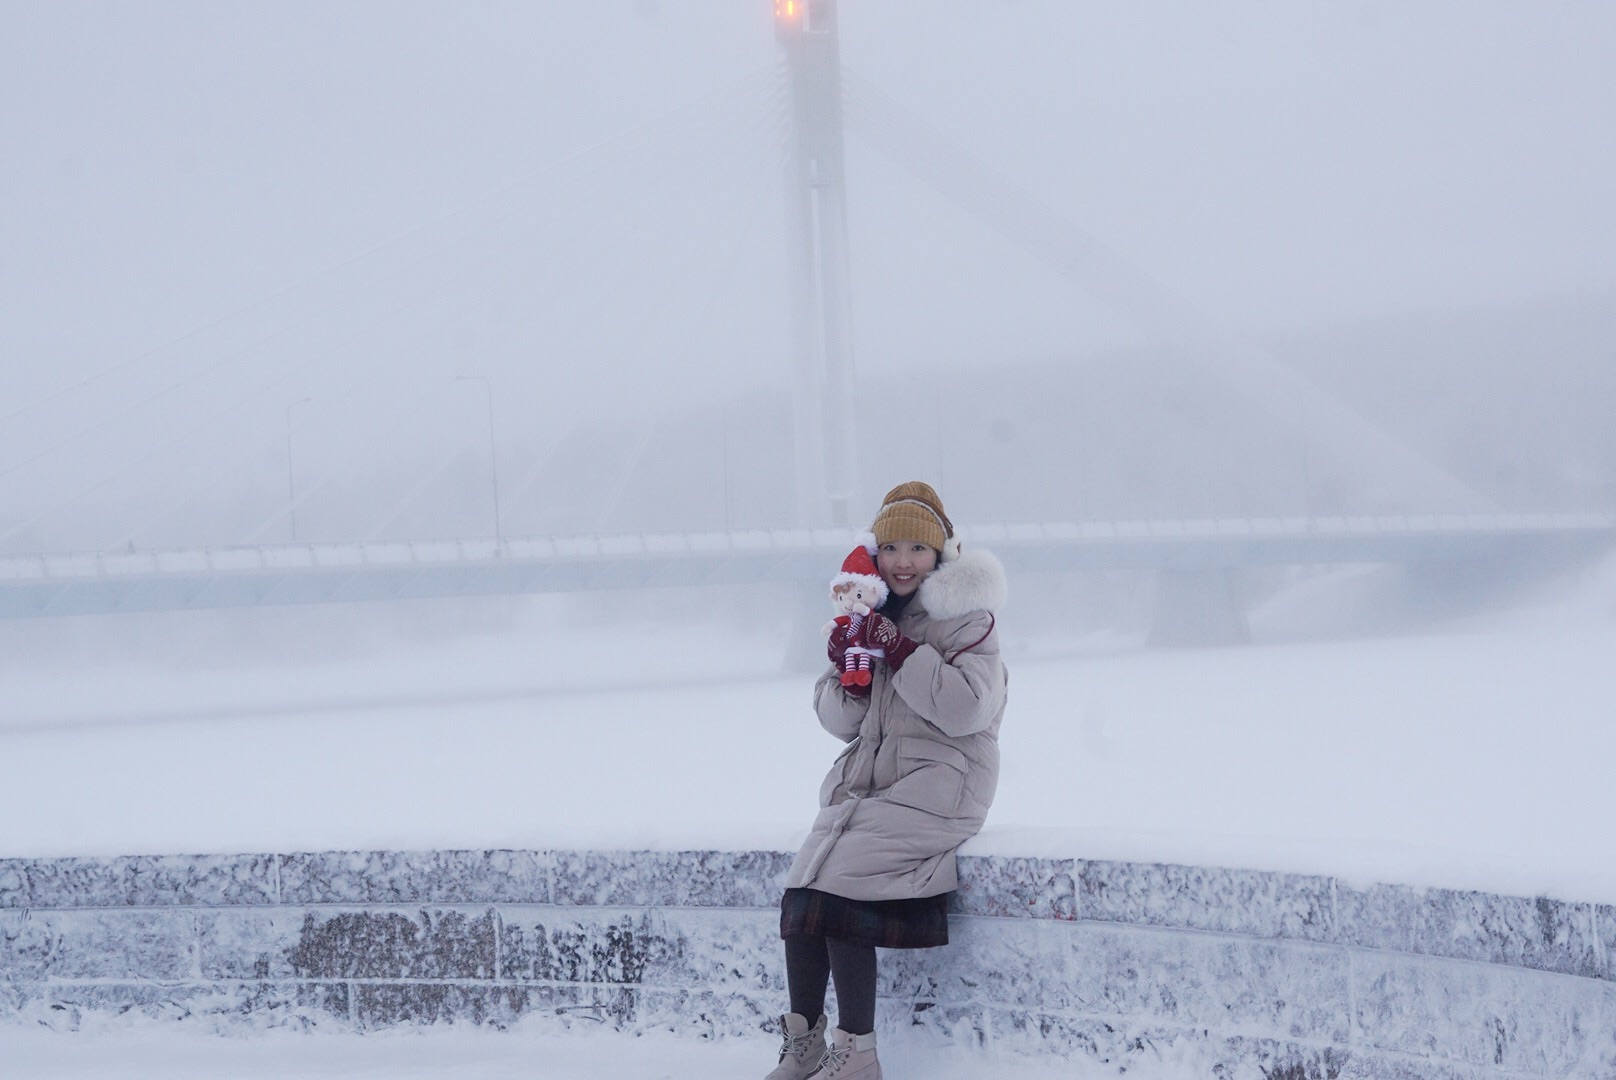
[[195, 181]]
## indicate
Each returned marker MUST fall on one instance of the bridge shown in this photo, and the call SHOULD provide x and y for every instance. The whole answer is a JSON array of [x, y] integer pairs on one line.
[[800, 110], [103, 582]]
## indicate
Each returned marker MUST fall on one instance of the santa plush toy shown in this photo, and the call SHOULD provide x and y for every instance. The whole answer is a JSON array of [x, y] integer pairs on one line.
[[855, 592]]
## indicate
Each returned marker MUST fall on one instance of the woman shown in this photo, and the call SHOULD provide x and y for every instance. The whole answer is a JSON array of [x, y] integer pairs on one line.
[[914, 783]]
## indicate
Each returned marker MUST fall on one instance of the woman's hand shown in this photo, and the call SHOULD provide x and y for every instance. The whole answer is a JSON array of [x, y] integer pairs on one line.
[[882, 633]]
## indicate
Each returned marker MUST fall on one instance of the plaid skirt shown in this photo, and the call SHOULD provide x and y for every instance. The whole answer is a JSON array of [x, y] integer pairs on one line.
[[889, 924]]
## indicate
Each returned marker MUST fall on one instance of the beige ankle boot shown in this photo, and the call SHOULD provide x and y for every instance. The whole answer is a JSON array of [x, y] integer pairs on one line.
[[801, 1048], [849, 1057]]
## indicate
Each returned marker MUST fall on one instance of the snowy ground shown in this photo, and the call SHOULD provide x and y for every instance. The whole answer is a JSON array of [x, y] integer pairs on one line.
[[466, 1054], [1470, 753]]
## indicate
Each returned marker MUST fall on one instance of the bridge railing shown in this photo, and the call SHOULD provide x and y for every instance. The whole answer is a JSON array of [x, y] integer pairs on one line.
[[338, 555], [170, 579]]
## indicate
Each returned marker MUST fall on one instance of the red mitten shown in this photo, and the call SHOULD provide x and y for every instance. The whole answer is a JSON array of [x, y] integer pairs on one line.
[[856, 689], [882, 633]]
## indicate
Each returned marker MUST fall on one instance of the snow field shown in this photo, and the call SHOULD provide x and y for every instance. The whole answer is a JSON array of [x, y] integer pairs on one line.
[[1470, 755]]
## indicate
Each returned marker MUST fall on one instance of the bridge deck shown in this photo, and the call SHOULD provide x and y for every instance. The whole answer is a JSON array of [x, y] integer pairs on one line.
[[104, 582]]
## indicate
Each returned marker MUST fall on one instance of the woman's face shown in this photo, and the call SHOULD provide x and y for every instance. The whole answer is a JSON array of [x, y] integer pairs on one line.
[[904, 564]]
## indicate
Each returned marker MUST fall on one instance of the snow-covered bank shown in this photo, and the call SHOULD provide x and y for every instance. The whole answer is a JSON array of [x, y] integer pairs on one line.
[[1470, 755]]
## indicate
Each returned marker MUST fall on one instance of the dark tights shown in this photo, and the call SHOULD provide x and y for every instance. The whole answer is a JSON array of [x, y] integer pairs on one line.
[[811, 960]]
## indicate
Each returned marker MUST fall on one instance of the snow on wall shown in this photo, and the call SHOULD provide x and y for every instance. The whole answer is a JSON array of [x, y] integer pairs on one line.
[[1277, 976]]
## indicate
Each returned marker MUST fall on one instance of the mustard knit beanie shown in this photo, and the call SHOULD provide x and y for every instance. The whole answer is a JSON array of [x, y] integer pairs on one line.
[[913, 511]]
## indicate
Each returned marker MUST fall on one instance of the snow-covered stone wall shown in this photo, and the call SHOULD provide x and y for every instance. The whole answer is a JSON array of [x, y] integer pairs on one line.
[[1270, 976]]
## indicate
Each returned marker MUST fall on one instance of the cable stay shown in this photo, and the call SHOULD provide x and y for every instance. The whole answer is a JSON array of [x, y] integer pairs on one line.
[[697, 316], [1191, 335]]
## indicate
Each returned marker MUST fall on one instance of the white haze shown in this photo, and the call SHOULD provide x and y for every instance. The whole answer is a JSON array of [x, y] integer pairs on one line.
[[259, 246], [214, 212]]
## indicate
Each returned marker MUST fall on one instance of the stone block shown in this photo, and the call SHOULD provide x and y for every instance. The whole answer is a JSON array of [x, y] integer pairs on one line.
[[668, 879], [432, 943], [1126, 1046], [1016, 888], [709, 1014], [1135, 1046], [1023, 962], [14, 891], [249, 943], [10, 1002], [379, 1005], [36, 945], [1286, 990], [199, 880], [733, 950], [1366, 1065], [962, 1024], [1487, 1016], [691, 948], [1605, 921], [143, 881], [415, 877], [1275, 1059], [1548, 935], [384, 1005], [288, 943], [567, 945], [1247, 902], [27, 943], [614, 1006], [917, 975], [213, 1007], [72, 883]]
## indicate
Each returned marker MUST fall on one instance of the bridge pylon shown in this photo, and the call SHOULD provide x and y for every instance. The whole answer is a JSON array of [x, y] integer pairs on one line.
[[821, 292]]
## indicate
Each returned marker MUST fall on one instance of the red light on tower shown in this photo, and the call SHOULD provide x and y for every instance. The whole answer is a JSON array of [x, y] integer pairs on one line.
[[804, 16], [791, 20]]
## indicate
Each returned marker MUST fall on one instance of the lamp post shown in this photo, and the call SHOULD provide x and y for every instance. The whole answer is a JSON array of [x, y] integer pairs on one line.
[[291, 482], [493, 456]]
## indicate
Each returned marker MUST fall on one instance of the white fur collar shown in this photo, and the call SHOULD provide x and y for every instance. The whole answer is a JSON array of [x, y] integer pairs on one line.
[[974, 581]]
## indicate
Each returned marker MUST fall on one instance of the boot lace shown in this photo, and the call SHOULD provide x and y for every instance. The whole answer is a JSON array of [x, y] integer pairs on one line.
[[835, 1057], [796, 1045]]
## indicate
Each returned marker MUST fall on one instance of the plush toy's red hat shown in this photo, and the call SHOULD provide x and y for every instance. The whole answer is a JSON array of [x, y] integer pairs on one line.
[[859, 567]]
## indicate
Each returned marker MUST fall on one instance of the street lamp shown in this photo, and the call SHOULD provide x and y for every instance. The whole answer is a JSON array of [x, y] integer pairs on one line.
[[291, 482], [493, 457]]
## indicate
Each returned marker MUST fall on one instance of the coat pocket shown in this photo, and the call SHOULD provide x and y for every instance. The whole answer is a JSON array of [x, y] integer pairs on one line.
[[933, 776]]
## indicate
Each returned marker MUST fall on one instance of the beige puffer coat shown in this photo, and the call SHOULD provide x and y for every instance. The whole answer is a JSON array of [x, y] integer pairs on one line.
[[922, 763]]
